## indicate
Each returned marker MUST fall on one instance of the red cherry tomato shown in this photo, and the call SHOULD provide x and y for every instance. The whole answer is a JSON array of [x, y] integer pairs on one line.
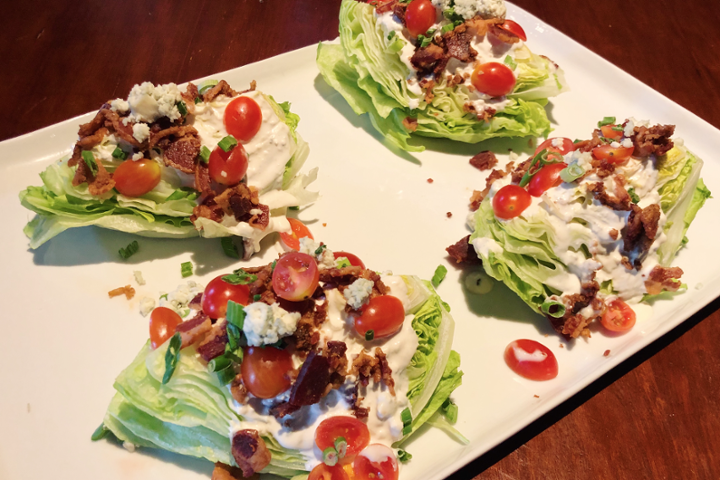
[[515, 29], [566, 146], [323, 472], [618, 316], [494, 79], [217, 294], [265, 371], [376, 462], [162, 325], [296, 276], [531, 359], [228, 168], [355, 433], [616, 155], [243, 118], [608, 132], [353, 259], [510, 201], [420, 16], [299, 230], [384, 315], [547, 178], [135, 178]]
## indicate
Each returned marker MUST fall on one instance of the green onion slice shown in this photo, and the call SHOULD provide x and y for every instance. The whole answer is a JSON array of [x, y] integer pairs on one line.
[[228, 143], [606, 121], [226, 376], [439, 275], [450, 410], [543, 158], [554, 308], [257, 297], [235, 314], [186, 269], [205, 154], [448, 28], [391, 35], [342, 262], [330, 457], [119, 153], [406, 416], [633, 195], [218, 364], [99, 433], [320, 249], [182, 108], [89, 160], [407, 430], [229, 247], [369, 335], [341, 446], [571, 173], [207, 85], [510, 62], [404, 456], [130, 250], [240, 277], [172, 355]]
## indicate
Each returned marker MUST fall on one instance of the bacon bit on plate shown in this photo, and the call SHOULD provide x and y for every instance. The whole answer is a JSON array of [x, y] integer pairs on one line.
[[449, 214], [324, 224], [536, 396], [127, 290], [607, 353], [430, 180]]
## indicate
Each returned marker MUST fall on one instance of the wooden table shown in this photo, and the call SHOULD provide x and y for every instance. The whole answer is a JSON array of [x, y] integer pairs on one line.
[[657, 416]]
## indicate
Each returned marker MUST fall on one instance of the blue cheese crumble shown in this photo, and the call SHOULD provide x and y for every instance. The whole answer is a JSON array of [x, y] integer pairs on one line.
[[266, 324], [358, 292], [325, 258]]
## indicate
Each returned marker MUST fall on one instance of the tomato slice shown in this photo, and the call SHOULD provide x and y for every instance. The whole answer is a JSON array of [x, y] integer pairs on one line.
[[376, 462], [384, 315], [217, 294], [243, 118], [551, 145], [493, 78], [618, 316], [355, 433], [323, 472], [608, 132], [353, 259], [510, 201], [295, 277], [515, 29], [265, 371], [616, 155], [531, 359], [547, 178], [228, 168], [135, 178], [162, 325], [299, 230], [420, 16]]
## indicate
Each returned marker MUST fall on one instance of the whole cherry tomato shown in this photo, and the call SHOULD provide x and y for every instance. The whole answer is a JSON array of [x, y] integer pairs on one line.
[[510, 201], [134, 178], [217, 294], [493, 78], [265, 371], [243, 118], [384, 315]]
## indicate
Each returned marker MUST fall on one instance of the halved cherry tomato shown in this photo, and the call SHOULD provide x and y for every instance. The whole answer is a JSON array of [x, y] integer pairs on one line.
[[608, 132], [510, 201], [566, 145], [515, 29], [384, 315], [243, 118], [612, 154], [323, 472], [135, 178], [420, 16], [353, 259], [618, 316], [265, 371], [228, 168], [292, 239], [217, 294], [355, 433], [295, 277], [531, 359], [162, 325], [376, 462], [547, 178], [493, 78]]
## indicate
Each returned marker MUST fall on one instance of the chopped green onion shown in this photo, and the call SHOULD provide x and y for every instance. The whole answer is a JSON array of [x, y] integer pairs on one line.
[[219, 363], [164, 296], [571, 173], [404, 456], [207, 85], [205, 154], [239, 277], [341, 446], [542, 158], [407, 430], [235, 314], [617, 128], [606, 121], [577, 140], [633, 196], [89, 160], [554, 308], [180, 193], [130, 250], [257, 297], [237, 354], [446, 306], [229, 248], [391, 35], [234, 334], [186, 269], [182, 108], [320, 249], [448, 28], [172, 355], [198, 100], [450, 410], [510, 62], [192, 196], [330, 457], [294, 207], [119, 153], [406, 416], [99, 433], [228, 143], [185, 312], [439, 275], [226, 376], [273, 266], [369, 335], [342, 262]]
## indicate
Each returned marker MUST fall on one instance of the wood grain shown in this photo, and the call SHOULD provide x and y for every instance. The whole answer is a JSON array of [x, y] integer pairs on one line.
[[655, 416]]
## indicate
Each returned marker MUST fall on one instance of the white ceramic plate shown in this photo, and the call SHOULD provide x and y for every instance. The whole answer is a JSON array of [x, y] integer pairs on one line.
[[64, 341]]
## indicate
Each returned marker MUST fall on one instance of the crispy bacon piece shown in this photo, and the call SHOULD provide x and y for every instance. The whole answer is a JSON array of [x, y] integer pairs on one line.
[[355, 401], [379, 288], [654, 140], [98, 184], [335, 352], [312, 380], [641, 229], [382, 6], [193, 330], [196, 302], [340, 276], [399, 11], [250, 452], [484, 160], [478, 196], [127, 290], [226, 472], [410, 123], [238, 201], [427, 59], [306, 336], [222, 88], [214, 343], [463, 252], [376, 367], [189, 96], [663, 278], [86, 143], [620, 201], [588, 145], [182, 153], [238, 390], [260, 220], [202, 178], [603, 167], [521, 170], [572, 324], [458, 45]]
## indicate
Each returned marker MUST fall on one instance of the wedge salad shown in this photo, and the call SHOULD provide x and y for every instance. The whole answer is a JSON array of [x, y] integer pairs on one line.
[[209, 161], [452, 69], [582, 231], [311, 366]]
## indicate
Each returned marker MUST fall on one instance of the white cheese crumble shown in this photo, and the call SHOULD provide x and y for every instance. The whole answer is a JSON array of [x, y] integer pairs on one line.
[[147, 305], [139, 277], [325, 258], [148, 103], [141, 131], [265, 324], [358, 292], [179, 299], [470, 8], [615, 145], [629, 127], [627, 143], [119, 105], [138, 156], [308, 245]]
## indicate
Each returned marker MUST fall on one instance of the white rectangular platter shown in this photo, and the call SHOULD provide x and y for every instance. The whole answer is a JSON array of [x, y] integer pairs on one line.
[[64, 341]]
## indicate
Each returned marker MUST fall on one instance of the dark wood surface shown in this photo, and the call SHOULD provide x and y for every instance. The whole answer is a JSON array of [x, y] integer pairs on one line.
[[656, 416]]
